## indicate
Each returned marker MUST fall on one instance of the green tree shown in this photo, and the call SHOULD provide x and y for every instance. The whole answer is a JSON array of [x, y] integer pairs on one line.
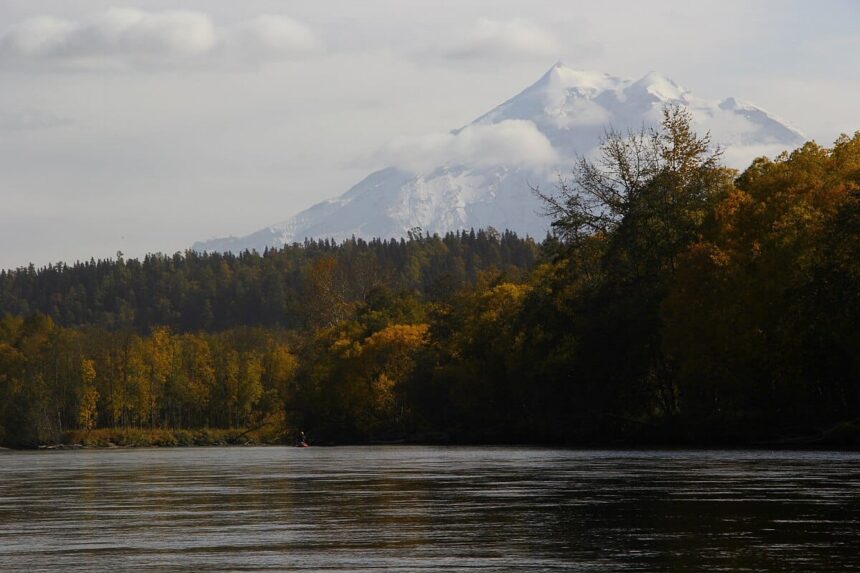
[[632, 212]]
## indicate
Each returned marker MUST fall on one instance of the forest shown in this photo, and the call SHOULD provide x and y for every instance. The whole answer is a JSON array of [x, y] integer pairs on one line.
[[676, 301]]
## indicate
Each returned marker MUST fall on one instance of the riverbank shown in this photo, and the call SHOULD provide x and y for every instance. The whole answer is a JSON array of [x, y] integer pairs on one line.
[[144, 438], [846, 436], [167, 438]]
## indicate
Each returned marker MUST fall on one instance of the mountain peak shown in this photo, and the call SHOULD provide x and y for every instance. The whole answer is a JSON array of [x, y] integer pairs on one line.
[[480, 178], [563, 77], [658, 86]]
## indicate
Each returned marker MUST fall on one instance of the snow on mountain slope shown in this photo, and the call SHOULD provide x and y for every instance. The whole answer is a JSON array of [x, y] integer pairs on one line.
[[481, 175]]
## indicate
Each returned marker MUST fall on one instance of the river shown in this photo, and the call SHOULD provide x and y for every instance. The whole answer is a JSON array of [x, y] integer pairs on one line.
[[428, 508]]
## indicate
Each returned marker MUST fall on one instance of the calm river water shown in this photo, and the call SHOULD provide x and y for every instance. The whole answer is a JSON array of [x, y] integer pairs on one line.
[[421, 508]]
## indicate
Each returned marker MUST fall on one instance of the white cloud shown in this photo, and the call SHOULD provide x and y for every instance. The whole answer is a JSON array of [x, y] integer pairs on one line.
[[505, 39], [510, 142], [127, 37], [273, 36], [37, 37], [130, 31], [118, 33]]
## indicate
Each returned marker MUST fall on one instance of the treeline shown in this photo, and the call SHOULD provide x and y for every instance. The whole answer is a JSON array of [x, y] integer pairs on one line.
[[58, 379], [211, 340], [677, 301], [298, 286]]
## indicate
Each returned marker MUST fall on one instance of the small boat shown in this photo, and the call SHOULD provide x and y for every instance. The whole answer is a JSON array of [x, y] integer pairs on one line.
[[301, 440]]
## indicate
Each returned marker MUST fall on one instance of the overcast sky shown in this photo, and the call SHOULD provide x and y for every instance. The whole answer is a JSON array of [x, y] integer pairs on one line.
[[144, 126]]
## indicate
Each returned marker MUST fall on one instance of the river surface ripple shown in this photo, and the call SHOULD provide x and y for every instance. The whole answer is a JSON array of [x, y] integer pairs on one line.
[[428, 508]]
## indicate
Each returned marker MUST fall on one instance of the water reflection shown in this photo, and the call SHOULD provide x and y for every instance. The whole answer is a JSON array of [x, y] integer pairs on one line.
[[412, 508]]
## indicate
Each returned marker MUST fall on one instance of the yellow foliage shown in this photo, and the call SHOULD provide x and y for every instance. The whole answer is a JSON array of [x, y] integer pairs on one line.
[[87, 411], [503, 301], [398, 335]]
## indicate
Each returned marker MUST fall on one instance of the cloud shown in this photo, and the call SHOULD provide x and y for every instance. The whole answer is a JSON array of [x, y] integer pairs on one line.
[[119, 33], [504, 39], [744, 132], [127, 37], [273, 36], [510, 142]]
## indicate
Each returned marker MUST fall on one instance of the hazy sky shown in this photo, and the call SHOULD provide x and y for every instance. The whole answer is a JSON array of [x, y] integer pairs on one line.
[[144, 126]]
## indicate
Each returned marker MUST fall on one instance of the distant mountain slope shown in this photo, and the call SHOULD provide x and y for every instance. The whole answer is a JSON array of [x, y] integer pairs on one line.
[[479, 184]]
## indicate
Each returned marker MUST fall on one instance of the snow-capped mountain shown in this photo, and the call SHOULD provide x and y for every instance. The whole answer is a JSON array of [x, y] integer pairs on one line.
[[482, 174]]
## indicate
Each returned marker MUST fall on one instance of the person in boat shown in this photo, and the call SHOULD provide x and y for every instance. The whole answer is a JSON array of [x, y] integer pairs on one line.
[[301, 440]]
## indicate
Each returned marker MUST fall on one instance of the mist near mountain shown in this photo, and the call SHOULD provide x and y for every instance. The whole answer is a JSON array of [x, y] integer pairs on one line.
[[482, 174]]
